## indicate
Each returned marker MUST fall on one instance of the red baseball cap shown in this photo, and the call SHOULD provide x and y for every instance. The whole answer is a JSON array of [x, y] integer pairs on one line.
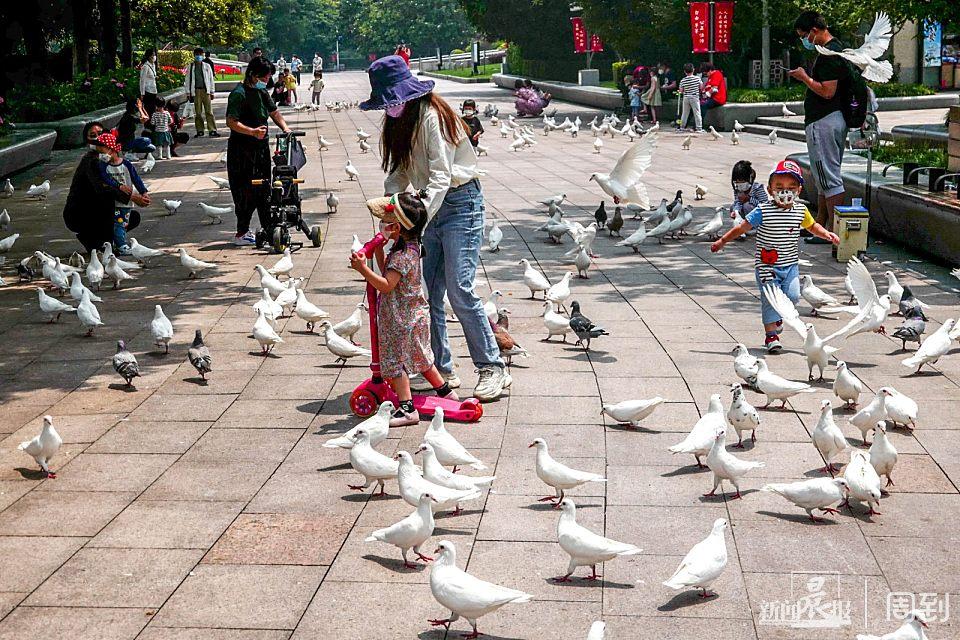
[[788, 167], [109, 141]]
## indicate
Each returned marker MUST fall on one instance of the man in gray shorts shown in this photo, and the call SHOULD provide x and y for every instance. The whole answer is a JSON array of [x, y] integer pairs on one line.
[[828, 86]]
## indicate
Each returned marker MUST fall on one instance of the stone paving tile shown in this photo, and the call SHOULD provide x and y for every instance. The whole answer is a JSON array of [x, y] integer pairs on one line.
[[104, 471], [134, 436], [11, 490], [241, 597], [790, 544], [48, 553], [116, 578], [9, 600], [659, 486], [277, 538], [98, 623], [529, 567], [678, 628], [168, 524], [521, 518], [196, 480], [153, 632], [180, 408], [77, 513]]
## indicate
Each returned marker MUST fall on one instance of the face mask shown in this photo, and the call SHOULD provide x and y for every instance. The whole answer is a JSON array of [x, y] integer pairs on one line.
[[105, 157], [741, 186], [198, 58], [468, 113], [807, 44], [661, 70], [396, 110], [260, 84], [785, 197], [153, 58]]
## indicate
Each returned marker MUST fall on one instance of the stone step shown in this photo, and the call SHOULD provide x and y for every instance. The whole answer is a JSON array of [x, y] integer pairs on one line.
[[794, 122], [764, 130]]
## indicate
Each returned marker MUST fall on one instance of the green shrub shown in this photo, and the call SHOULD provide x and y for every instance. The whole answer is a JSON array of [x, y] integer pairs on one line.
[[454, 52], [41, 103], [924, 152], [227, 56], [178, 58], [515, 60], [621, 69], [896, 90], [795, 92]]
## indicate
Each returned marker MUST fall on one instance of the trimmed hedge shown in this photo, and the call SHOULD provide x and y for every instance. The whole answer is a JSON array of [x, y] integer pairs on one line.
[[795, 92], [179, 58], [227, 56], [924, 152]]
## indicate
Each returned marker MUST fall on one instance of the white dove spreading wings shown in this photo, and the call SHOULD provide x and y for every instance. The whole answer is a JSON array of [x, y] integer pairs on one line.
[[874, 45], [873, 307], [623, 183]]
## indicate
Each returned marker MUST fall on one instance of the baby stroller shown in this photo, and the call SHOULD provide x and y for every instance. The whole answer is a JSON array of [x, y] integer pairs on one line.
[[285, 211]]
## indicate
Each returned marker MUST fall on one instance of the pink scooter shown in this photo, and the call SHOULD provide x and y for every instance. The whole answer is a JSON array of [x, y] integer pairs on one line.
[[366, 398]]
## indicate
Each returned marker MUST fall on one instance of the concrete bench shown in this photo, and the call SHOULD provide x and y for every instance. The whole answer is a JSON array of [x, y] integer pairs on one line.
[[598, 97], [20, 149]]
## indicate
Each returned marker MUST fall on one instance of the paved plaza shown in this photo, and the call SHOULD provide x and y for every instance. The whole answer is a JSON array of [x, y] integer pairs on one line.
[[188, 511]]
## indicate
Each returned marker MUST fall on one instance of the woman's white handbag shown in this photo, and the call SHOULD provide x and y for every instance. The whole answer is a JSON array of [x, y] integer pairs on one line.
[[188, 110]]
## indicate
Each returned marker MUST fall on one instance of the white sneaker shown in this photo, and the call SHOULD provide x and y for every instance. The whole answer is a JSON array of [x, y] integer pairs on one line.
[[493, 380], [452, 379]]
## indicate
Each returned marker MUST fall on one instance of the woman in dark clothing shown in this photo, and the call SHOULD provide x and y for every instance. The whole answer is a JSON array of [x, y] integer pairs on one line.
[[91, 203], [127, 136]]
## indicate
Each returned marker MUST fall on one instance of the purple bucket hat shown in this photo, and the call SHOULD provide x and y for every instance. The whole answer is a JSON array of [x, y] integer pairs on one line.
[[391, 83]]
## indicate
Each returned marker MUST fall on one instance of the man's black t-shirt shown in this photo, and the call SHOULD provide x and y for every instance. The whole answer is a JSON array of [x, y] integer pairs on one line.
[[827, 68]]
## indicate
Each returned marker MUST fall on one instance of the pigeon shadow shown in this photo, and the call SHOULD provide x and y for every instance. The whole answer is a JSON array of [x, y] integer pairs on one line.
[[120, 386], [684, 600], [311, 407], [157, 355], [441, 531], [335, 428], [748, 445], [30, 474], [796, 518], [685, 471], [923, 374], [269, 354], [463, 513], [546, 506], [363, 496], [335, 467], [576, 582], [200, 382], [818, 473], [629, 429], [216, 246], [439, 633], [393, 564]]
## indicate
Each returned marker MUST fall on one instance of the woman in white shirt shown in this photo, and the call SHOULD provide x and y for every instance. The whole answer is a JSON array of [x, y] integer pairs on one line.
[[148, 79], [426, 146]]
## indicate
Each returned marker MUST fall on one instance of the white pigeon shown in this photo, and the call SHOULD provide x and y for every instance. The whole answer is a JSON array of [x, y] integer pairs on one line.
[[77, 289], [490, 306], [333, 202], [863, 481], [559, 292], [142, 252], [704, 563], [699, 191], [283, 266], [43, 447], [865, 57], [936, 345], [288, 297], [171, 206], [351, 171], [309, 312], [362, 135], [53, 271], [883, 455], [495, 236], [533, 279], [4, 219], [409, 533], [785, 111], [448, 450], [585, 548], [124, 264], [356, 246], [482, 150], [148, 164], [377, 427], [734, 138], [685, 144], [463, 594], [772, 137], [324, 144], [726, 466], [597, 145], [556, 324], [557, 475], [700, 439], [894, 289], [349, 327], [39, 191], [518, 144], [875, 411], [847, 386], [901, 409], [716, 135], [215, 213], [437, 474], [582, 263], [635, 239], [745, 365], [340, 346], [623, 182], [222, 183], [713, 228], [193, 265], [264, 333], [737, 126], [8, 188], [911, 629], [371, 464], [365, 146], [872, 307], [268, 281], [88, 314], [816, 350], [814, 295], [413, 484], [598, 630], [555, 200], [631, 412], [52, 307], [663, 228], [827, 437], [7, 243], [742, 415], [115, 272], [269, 307], [816, 493], [161, 329], [777, 388], [848, 287]]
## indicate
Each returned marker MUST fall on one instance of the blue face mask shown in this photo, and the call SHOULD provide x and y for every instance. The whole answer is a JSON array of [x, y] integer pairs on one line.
[[198, 58], [260, 84], [807, 44]]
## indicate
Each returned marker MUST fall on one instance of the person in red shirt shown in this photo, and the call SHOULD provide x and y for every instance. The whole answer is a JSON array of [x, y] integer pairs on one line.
[[404, 52], [714, 87]]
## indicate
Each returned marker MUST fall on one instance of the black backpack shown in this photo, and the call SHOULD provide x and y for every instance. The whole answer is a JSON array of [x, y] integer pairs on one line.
[[857, 100]]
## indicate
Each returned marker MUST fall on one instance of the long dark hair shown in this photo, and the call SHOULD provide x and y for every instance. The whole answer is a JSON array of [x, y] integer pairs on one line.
[[399, 134], [257, 68], [417, 213], [146, 55]]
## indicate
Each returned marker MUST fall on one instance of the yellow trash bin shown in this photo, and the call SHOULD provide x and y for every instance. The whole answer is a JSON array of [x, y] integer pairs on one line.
[[851, 224]]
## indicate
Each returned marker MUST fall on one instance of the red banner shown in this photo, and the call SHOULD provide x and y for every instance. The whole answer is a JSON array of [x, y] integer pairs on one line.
[[579, 35], [596, 44], [722, 26], [700, 26]]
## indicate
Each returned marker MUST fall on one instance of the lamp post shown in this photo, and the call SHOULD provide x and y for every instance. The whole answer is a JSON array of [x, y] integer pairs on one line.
[[337, 68]]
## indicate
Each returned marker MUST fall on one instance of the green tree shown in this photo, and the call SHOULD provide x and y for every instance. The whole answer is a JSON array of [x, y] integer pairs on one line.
[[423, 24], [209, 22], [300, 26]]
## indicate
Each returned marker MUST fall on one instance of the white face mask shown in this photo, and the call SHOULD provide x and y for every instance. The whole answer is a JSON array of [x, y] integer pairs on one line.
[[396, 110], [92, 146], [741, 186], [785, 197], [105, 157], [468, 113]]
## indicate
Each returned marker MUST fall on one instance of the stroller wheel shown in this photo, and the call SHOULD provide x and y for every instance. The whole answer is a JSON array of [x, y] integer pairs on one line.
[[364, 403], [281, 238], [315, 235]]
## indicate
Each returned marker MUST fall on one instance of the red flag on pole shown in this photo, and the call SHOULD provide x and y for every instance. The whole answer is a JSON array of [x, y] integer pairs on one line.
[[596, 44], [579, 35], [700, 26], [722, 26]]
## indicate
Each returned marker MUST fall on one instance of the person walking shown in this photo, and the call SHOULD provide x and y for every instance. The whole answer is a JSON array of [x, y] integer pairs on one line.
[[148, 80], [295, 64], [249, 108], [426, 145], [828, 86], [199, 85], [317, 62], [690, 89]]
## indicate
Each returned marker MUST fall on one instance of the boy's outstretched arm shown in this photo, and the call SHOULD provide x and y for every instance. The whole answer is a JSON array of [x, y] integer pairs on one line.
[[733, 234], [818, 230]]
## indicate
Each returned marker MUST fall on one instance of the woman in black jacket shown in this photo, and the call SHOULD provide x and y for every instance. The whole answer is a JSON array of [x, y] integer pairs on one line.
[[127, 136], [91, 203]]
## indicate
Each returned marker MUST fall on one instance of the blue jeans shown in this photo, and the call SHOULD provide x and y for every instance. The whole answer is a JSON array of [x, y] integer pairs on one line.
[[140, 144], [787, 279], [451, 244], [120, 220]]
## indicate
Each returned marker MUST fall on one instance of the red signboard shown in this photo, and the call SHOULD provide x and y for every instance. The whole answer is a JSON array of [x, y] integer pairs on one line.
[[596, 44], [579, 35], [722, 26], [700, 26]]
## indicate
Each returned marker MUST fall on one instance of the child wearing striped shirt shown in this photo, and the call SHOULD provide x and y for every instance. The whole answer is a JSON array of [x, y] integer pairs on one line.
[[690, 88], [778, 225], [747, 192]]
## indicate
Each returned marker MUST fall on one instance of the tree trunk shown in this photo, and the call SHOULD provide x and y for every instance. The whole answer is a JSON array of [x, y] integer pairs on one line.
[[81, 37], [34, 40], [108, 34], [126, 35]]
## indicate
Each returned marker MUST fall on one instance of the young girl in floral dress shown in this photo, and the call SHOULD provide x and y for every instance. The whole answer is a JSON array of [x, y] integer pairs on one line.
[[403, 315]]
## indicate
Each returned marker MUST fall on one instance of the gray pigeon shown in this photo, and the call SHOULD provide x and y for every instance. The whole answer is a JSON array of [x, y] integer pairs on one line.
[[912, 327], [583, 327], [617, 223], [677, 201], [125, 363], [199, 356], [909, 301], [600, 215]]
